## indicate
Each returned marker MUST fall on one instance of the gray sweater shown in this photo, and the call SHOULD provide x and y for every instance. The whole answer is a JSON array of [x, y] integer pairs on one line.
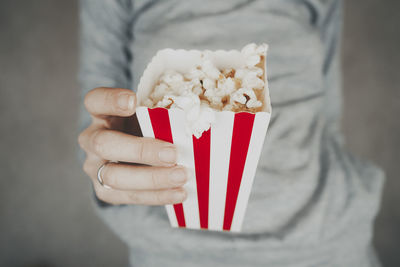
[[312, 203]]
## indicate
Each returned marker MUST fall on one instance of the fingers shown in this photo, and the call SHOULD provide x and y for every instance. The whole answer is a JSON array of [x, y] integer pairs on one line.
[[110, 102], [117, 146], [134, 184], [156, 185], [127, 177], [148, 197]]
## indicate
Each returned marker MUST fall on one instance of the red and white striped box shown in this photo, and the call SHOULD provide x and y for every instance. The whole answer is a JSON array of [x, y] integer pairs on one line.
[[221, 163]]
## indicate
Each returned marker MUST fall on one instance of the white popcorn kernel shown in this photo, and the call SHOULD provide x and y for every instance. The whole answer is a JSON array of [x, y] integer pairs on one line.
[[160, 91], [209, 84], [172, 78], [184, 87], [203, 122], [214, 100], [187, 101], [195, 82], [238, 96], [262, 49], [240, 73], [210, 70], [250, 77], [253, 71], [195, 73], [252, 81], [253, 53], [250, 93], [258, 71], [246, 96], [165, 102], [198, 90], [249, 49], [253, 103], [226, 86], [253, 60], [252, 49]]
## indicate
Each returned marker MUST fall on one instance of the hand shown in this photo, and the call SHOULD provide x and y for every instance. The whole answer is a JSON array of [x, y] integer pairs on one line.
[[108, 139]]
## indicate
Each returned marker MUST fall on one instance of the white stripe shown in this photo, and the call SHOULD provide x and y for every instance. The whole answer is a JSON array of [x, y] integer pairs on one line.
[[260, 127], [144, 121], [221, 137], [184, 144], [147, 131]]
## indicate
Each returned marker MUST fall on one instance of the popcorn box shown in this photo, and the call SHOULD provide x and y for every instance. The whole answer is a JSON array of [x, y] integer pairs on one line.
[[221, 163]]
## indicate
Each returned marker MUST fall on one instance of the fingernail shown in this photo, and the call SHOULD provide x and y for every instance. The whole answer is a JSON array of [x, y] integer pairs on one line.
[[167, 155], [180, 195], [126, 101], [177, 176]]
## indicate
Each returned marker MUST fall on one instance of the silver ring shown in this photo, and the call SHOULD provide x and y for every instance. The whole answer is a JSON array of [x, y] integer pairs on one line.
[[99, 178]]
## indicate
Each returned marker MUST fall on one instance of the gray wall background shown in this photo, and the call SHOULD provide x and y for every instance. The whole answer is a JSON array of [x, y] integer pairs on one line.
[[46, 218]]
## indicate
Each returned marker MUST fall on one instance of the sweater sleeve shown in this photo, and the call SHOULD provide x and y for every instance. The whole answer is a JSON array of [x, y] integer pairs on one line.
[[105, 34], [105, 37]]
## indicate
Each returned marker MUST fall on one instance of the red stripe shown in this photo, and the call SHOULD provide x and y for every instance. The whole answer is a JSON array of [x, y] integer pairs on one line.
[[201, 148], [162, 130], [242, 128]]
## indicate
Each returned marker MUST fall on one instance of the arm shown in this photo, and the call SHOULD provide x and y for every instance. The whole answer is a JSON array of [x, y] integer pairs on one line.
[[104, 64]]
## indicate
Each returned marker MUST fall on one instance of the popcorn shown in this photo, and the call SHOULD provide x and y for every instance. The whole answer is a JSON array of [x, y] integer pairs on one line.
[[252, 53], [226, 86], [250, 80], [210, 70], [209, 84], [247, 97], [205, 87], [243, 72], [167, 101], [159, 91], [195, 73], [202, 119], [172, 79], [221, 162]]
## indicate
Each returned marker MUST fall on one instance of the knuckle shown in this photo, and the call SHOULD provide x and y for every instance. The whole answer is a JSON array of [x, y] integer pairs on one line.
[[99, 138], [87, 167], [147, 150], [159, 198], [82, 139], [141, 150], [134, 198], [154, 180]]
